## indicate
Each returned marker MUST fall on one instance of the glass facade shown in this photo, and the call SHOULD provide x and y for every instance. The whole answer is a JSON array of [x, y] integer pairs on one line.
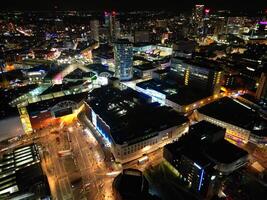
[[123, 54]]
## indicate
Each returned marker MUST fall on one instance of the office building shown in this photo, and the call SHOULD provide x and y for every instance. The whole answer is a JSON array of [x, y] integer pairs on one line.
[[261, 92], [114, 26], [123, 56], [130, 123], [200, 74], [210, 159], [21, 175], [186, 86], [94, 26]]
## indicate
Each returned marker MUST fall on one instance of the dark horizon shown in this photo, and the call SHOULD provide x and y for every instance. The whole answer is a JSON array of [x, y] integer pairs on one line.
[[129, 5]]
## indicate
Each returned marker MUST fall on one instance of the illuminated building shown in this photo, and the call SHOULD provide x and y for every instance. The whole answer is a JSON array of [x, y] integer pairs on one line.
[[94, 26], [261, 92], [130, 123], [243, 124], [21, 175], [234, 25], [198, 74], [114, 26], [123, 56], [210, 159], [197, 17], [143, 69], [141, 36], [185, 87]]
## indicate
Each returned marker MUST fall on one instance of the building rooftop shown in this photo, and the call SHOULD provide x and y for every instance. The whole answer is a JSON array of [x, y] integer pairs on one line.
[[21, 172], [144, 66], [207, 131], [131, 184], [224, 152], [37, 107], [203, 63], [79, 74], [99, 68], [62, 87], [233, 112], [182, 95], [206, 154], [130, 115]]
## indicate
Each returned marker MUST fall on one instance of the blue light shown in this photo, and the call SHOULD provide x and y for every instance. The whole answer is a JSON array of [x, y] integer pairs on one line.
[[201, 179]]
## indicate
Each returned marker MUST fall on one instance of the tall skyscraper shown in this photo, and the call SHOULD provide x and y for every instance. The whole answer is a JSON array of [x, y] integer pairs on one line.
[[197, 17], [261, 92], [123, 55], [114, 26], [94, 26]]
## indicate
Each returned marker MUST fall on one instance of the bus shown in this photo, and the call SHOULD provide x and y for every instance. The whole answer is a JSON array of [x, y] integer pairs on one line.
[[142, 160]]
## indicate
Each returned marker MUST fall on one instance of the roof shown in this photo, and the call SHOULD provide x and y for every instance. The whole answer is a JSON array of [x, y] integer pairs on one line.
[[61, 87], [79, 74], [232, 112], [225, 152], [206, 154], [99, 68], [207, 131], [129, 114], [202, 63], [145, 66], [131, 184], [182, 95], [21, 167], [47, 104]]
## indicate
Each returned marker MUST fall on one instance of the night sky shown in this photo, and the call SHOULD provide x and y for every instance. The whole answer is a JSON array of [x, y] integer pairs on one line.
[[173, 5]]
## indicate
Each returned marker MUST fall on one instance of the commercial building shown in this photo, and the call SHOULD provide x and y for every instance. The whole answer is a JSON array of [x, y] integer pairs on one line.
[[198, 73], [143, 69], [180, 90], [21, 175], [50, 111], [243, 124], [131, 184], [201, 157], [130, 123], [94, 26], [123, 55]]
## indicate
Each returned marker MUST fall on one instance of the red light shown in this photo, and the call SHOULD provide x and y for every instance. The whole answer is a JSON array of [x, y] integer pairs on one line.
[[207, 11], [113, 13]]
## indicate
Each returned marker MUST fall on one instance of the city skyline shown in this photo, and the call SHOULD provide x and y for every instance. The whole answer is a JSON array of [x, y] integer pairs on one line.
[[120, 5], [98, 102]]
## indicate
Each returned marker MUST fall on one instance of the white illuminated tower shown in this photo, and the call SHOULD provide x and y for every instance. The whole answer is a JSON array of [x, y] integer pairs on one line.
[[123, 55]]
